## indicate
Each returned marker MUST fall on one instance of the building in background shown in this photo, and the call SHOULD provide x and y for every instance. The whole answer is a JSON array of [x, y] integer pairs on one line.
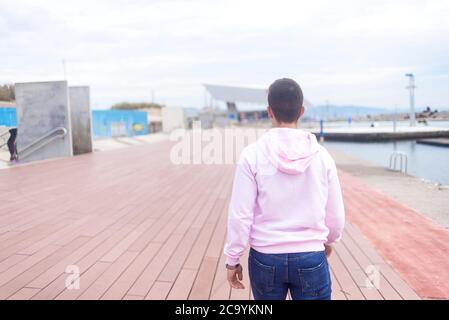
[[235, 97], [213, 117], [153, 111], [8, 116], [173, 118], [8, 120], [154, 119], [119, 123], [191, 115]]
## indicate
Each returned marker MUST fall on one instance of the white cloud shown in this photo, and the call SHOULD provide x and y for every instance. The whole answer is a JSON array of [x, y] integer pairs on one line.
[[345, 51]]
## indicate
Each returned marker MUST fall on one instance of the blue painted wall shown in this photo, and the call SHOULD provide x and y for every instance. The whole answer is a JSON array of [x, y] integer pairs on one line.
[[108, 123], [8, 117], [105, 123]]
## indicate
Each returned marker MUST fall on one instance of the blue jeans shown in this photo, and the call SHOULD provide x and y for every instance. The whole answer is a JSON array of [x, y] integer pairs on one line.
[[306, 275]]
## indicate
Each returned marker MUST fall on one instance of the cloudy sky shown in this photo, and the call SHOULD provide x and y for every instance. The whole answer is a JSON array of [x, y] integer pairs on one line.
[[345, 52]]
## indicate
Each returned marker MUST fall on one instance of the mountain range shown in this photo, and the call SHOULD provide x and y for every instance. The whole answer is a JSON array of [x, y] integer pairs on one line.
[[334, 111]]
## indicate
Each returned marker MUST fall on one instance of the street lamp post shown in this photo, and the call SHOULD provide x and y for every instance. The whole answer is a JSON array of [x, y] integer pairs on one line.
[[412, 88]]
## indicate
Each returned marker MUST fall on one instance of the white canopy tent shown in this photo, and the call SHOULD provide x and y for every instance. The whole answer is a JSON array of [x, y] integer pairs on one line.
[[241, 94]]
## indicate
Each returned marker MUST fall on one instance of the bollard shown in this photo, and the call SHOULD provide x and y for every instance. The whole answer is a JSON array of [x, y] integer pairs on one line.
[[321, 130]]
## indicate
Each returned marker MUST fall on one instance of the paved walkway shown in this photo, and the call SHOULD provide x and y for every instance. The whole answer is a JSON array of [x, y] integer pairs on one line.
[[139, 227], [414, 245]]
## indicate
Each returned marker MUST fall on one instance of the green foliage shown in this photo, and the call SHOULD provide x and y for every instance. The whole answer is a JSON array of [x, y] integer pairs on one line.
[[7, 93], [136, 106]]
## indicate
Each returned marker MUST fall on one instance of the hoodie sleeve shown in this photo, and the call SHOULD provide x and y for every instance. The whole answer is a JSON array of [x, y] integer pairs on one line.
[[335, 211], [241, 211]]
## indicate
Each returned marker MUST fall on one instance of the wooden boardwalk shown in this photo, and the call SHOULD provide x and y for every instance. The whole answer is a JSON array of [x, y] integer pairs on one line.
[[139, 227]]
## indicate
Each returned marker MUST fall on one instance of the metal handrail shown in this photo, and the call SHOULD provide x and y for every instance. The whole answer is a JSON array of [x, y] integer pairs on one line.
[[403, 161], [42, 141], [1, 136], [4, 133]]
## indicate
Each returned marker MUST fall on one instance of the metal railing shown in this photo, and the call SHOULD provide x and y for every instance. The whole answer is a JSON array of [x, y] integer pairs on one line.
[[4, 141], [403, 161], [57, 133]]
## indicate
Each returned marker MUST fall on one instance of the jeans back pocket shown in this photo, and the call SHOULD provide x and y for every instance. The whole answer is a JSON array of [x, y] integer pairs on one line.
[[315, 277], [261, 275]]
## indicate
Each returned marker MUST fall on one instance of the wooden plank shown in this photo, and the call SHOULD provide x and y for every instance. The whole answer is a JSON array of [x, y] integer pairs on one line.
[[159, 290], [404, 290], [347, 284], [203, 283], [159, 226], [73, 258], [337, 292], [220, 287], [215, 248], [373, 276], [53, 289], [363, 244], [389, 277], [8, 235], [145, 281], [16, 246], [11, 261], [102, 283], [37, 267], [203, 286], [174, 265], [126, 280], [24, 294], [196, 255], [129, 297], [181, 288], [357, 273], [26, 264], [123, 245], [87, 278]]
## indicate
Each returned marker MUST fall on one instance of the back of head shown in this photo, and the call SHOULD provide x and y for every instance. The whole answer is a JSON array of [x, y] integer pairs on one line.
[[285, 98]]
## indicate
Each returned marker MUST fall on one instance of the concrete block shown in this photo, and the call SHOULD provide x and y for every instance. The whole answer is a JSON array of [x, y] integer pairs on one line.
[[80, 116], [173, 118], [43, 107]]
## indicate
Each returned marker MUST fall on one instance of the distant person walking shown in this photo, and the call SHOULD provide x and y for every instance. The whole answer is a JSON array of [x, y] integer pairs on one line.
[[12, 145], [287, 203]]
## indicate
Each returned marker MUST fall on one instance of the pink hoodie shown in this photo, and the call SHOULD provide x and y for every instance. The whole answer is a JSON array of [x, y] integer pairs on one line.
[[286, 196]]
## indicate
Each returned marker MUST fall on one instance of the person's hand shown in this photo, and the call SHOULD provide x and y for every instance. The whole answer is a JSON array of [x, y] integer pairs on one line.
[[328, 250], [234, 278]]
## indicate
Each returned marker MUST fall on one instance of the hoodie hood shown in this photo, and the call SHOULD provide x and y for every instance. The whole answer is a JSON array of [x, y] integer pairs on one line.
[[290, 150]]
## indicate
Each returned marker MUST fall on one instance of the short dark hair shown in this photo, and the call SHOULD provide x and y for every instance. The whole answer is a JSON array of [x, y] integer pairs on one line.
[[285, 99]]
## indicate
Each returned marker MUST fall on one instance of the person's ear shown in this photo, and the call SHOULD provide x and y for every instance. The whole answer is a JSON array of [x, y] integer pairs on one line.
[[270, 113], [301, 111]]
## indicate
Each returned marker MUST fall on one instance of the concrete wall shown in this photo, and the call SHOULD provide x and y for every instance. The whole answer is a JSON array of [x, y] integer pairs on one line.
[[173, 118], [80, 116], [42, 107]]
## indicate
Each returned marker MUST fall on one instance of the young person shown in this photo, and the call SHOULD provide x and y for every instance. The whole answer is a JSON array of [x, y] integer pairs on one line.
[[287, 203], [12, 145]]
